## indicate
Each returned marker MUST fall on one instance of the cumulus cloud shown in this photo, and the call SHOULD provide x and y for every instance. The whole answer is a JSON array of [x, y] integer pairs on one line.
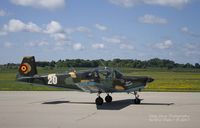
[[189, 32], [192, 49], [114, 39], [121, 41], [101, 27], [8, 45], [3, 33], [151, 19], [53, 27], [78, 46], [169, 3], [83, 29], [60, 37], [2, 13], [126, 46], [184, 29], [98, 46], [15, 25], [125, 3], [31, 27], [38, 43], [46, 4], [165, 45]]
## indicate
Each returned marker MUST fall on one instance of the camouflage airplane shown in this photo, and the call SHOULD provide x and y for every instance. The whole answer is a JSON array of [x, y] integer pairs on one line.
[[97, 80]]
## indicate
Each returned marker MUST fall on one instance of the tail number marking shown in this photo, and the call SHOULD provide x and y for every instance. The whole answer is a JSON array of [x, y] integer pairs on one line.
[[52, 79]]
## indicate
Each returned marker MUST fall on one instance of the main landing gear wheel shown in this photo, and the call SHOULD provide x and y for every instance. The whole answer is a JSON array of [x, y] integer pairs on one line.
[[99, 101], [108, 99]]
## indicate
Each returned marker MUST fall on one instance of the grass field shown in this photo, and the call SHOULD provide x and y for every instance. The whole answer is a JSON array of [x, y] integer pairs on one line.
[[165, 80]]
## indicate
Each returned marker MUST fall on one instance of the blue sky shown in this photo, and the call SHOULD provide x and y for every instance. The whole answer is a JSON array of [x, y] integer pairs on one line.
[[94, 29]]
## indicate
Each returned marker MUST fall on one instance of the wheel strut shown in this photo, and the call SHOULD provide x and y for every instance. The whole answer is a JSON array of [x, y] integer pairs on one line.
[[136, 100], [99, 100]]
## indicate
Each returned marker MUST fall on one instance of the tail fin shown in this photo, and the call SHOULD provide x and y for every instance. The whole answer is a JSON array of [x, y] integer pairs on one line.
[[28, 67]]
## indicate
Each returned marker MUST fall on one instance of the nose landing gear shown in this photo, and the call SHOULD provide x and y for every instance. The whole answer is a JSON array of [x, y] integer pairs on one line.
[[137, 100]]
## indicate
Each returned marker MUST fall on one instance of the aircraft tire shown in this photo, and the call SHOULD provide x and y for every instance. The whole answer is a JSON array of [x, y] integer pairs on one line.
[[99, 101], [137, 101], [108, 99]]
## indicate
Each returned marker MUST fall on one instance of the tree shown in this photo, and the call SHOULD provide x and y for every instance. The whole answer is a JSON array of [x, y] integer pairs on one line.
[[197, 65]]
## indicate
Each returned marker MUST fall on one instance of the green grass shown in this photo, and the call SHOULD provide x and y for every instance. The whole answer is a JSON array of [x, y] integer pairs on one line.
[[8, 83], [165, 80]]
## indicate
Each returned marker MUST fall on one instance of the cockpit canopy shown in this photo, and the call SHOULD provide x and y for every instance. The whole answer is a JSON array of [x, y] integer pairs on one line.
[[108, 73], [101, 73]]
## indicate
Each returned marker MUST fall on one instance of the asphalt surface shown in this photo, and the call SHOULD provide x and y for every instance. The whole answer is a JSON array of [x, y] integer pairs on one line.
[[68, 109]]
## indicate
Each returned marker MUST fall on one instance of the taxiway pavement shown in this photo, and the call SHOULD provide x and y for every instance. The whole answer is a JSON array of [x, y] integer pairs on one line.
[[69, 109]]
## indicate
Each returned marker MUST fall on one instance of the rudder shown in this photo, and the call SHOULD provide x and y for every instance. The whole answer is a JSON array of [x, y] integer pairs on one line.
[[28, 66]]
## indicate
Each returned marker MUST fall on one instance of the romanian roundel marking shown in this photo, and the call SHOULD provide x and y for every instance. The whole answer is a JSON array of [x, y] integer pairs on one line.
[[25, 68]]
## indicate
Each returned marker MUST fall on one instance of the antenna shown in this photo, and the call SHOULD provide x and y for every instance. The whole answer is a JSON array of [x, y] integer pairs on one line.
[[103, 64]]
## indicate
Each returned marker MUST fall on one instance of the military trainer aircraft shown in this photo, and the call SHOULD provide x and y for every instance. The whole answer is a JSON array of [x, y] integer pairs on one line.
[[97, 80]]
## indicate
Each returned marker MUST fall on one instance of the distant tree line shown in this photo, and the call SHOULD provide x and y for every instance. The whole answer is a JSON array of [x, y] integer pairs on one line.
[[129, 63]]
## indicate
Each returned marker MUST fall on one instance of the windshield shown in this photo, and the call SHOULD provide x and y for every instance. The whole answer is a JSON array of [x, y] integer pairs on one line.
[[109, 73], [117, 74]]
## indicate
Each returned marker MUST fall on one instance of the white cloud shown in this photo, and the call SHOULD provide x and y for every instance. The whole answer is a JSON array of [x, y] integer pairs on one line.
[[58, 48], [101, 27], [120, 41], [83, 29], [126, 46], [98, 46], [8, 45], [80, 29], [169, 3], [3, 33], [189, 32], [46, 4], [53, 27], [2, 13], [192, 50], [193, 47], [78, 46], [60, 44], [15, 25], [151, 19], [165, 45], [125, 3], [114, 39], [56, 31], [31, 27], [38, 44], [184, 29], [60, 37]]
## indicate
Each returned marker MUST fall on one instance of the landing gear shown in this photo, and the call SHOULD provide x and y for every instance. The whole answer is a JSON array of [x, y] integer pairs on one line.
[[137, 100], [99, 101], [108, 98]]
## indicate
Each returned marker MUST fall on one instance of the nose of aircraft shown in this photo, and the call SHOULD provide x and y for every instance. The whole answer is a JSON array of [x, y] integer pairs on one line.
[[150, 79]]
